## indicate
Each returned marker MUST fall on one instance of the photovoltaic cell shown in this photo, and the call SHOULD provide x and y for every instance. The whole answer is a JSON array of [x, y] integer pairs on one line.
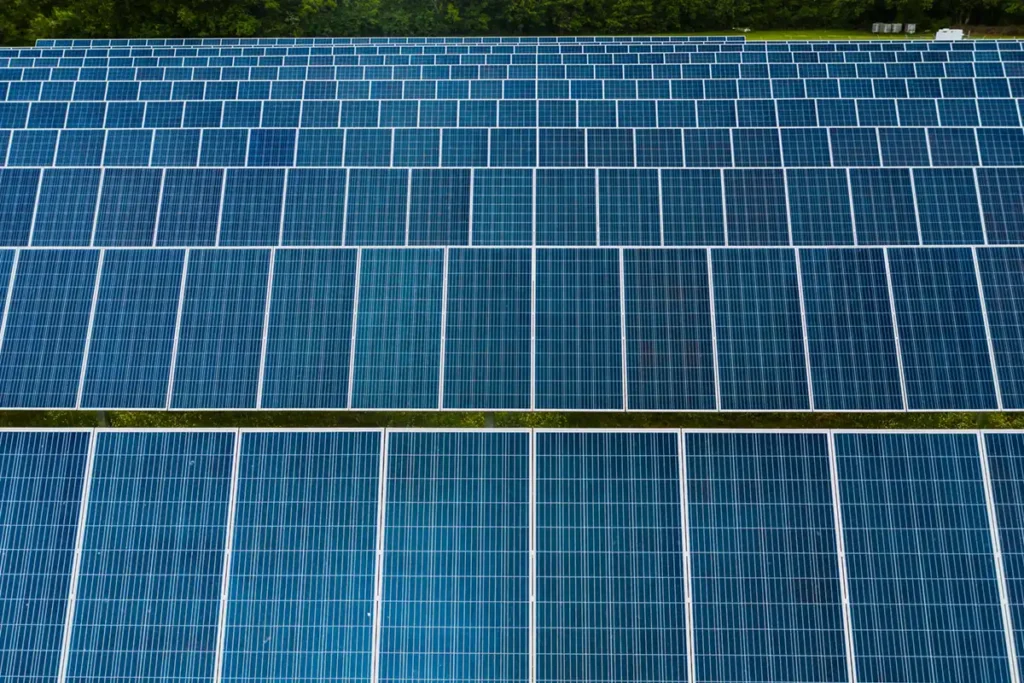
[[766, 593], [610, 580], [309, 332], [849, 330], [18, 189], [566, 207], [669, 353], [251, 214], [760, 340], [66, 207], [755, 205], [156, 529], [942, 332], [629, 207], [923, 595], [133, 330], [47, 321], [578, 355], [221, 329], [456, 589], [127, 211], [190, 207], [819, 205], [439, 207], [302, 561], [1002, 278], [377, 207], [40, 496], [947, 206], [487, 337], [883, 204], [398, 337], [1002, 200]]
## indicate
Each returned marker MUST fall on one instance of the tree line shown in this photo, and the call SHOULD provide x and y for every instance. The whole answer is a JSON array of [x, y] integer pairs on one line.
[[23, 21]]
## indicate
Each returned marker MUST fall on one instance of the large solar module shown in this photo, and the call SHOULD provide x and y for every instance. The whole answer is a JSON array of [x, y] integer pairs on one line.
[[511, 555], [548, 223]]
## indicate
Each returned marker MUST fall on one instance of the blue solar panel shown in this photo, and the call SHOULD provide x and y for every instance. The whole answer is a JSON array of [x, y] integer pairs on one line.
[[1003, 454], [883, 206], [692, 207], [766, 591], [251, 210], [40, 495], [755, 206], [314, 213], [190, 207], [610, 576], [850, 335], [942, 332], [1002, 200], [221, 329], [669, 352], [66, 207], [47, 325], [378, 207], [132, 334], [947, 205], [629, 207], [578, 330], [759, 337], [18, 189], [439, 207], [502, 207], [302, 561], [313, 291], [923, 593], [819, 205], [488, 329], [566, 207], [127, 210], [158, 507], [397, 355], [1003, 288]]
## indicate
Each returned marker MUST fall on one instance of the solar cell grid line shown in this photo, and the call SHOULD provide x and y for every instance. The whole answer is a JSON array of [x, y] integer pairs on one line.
[[803, 326], [220, 206], [284, 207], [981, 208], [767, 592], [924, 594], [303, 556], [997, 552], [611, 581], [266, 325], [443, 330], [159, 206], [225, 582], [456, 557], [1002, 452], [177, 330], [378, 560], [714, 333], [844, 579], [988, 330], [622, 327], [684, 512], [43, 473], [533, 320], [533, 560], [89, 329], [158, 506]]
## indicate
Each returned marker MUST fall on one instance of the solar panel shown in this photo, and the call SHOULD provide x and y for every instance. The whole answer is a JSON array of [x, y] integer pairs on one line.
[[148, 594], [924, 600], [611, 588], [766, 586], [303, 557], [43, 475]]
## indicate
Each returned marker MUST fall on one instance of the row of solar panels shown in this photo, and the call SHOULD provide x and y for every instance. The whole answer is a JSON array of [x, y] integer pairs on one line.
[[123, 207], [399, 40], [514, 329], [602, 54], [515, 147], [514, 72], [485, 113], [551, 556], [516, 89]]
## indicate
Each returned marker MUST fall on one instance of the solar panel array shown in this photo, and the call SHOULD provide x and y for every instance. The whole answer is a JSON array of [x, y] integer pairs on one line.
[[603, 223], [510, 555]]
